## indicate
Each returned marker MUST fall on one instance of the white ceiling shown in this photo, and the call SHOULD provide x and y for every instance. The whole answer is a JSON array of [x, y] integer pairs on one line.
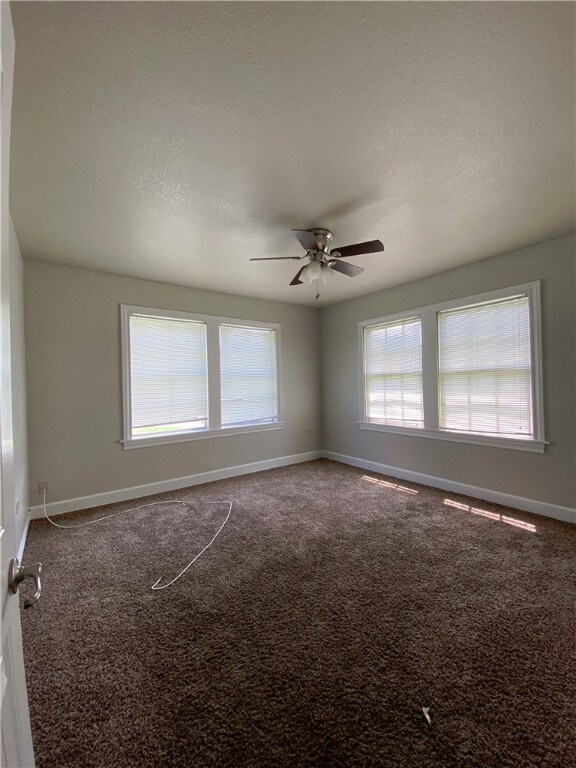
[[173, 141]]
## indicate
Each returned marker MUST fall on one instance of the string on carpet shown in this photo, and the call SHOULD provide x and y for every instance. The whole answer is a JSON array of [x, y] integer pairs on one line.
[[156, 584]]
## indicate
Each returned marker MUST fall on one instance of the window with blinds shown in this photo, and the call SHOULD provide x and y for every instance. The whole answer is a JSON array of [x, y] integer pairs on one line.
[[248, 375], [468, 370], [393, 373], [193, 376], [168, 376], [484, 368]]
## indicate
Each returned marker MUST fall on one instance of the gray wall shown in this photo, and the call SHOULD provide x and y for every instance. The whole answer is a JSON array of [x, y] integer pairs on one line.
[[18, 374], [550, 477], [74, 383]]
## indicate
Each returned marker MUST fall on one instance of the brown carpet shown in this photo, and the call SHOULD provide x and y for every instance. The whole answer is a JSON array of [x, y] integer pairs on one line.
[[334, 605]]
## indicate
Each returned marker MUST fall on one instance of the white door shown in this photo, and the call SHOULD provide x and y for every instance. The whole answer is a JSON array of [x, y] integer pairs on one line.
[[17, 749]]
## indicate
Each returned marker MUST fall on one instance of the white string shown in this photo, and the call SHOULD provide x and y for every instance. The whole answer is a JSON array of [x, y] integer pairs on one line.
[[183, 571], [142, 506]]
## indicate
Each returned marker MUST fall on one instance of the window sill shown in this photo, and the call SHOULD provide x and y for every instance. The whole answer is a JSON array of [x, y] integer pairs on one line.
[[143, 442], [532, 446]]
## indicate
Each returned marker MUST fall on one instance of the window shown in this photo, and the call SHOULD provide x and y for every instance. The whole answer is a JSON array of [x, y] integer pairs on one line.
[[168, 375], [393, 373], [248, 375], [484, 368], [466, 370], [189, 376]]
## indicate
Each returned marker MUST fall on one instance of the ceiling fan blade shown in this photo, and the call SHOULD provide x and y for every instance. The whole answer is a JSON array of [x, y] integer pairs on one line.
[[296, 279], [306, 239], [373, 246], [275, 258], [347, 269]]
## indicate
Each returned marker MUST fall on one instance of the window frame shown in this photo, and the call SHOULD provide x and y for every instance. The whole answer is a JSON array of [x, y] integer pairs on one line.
[[215, 428], [430, 372]]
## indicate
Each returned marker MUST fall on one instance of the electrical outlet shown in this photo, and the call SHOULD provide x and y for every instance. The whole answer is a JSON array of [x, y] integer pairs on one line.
[[43, 487]]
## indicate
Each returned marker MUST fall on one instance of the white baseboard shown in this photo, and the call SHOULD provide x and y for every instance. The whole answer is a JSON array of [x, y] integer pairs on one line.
[[566, 514], [137, 491]]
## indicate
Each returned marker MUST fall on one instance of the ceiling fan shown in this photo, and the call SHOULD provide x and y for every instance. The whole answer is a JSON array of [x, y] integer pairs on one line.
[[321, 260]]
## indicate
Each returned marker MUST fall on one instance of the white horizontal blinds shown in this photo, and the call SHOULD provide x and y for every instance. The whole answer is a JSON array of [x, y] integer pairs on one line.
[[168, 375], [249, 389], [485, 368], [393, 373]]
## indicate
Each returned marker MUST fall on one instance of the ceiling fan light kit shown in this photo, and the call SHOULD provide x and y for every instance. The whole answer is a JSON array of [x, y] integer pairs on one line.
[[317, 270], [322, 261]]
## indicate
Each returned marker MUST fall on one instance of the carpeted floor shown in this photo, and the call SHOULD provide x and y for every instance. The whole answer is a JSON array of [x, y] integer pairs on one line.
[[334, 605]]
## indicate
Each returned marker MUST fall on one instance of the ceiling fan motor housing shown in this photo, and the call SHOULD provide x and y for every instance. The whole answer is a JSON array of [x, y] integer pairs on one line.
[[323, 238]]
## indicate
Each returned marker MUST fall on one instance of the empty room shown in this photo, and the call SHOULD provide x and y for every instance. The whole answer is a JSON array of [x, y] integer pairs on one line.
[[288, 413]]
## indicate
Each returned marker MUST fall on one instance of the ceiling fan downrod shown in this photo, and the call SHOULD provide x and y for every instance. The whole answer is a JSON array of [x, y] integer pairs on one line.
[[323, 238]]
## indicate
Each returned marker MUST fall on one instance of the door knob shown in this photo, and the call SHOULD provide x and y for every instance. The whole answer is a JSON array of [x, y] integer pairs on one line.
[[17, 573]]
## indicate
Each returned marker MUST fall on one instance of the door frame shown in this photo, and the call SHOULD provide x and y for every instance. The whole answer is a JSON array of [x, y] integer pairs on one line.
[[16, 741]]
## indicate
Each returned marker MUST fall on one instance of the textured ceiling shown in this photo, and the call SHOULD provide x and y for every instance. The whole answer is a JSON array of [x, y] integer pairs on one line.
[[173, 141]]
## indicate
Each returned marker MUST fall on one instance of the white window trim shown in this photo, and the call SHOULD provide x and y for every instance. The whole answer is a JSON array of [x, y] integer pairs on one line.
[[213, 323], [429, 323]]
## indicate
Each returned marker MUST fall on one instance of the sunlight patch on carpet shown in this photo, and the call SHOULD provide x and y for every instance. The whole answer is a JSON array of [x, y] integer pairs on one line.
[[386, 484], [491, 515]]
